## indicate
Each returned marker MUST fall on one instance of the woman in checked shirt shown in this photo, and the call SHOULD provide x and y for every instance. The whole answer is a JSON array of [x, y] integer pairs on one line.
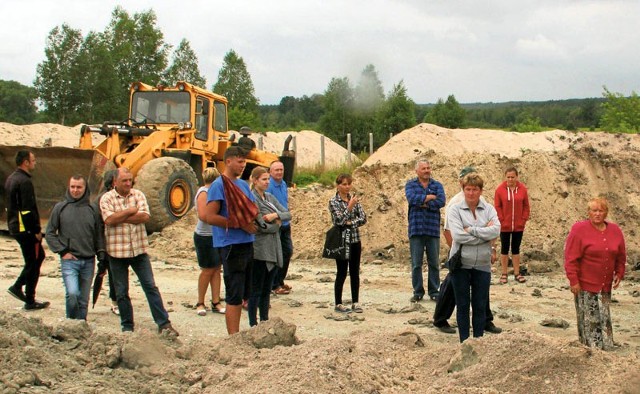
[[347, 213]]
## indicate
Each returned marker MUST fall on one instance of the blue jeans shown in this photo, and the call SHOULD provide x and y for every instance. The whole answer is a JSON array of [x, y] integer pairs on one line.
[[471, 289], [142, 267], [77, 276], [418, 245]]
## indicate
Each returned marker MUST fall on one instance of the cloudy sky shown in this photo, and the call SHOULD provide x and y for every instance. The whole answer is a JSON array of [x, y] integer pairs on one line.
[[480, 51]]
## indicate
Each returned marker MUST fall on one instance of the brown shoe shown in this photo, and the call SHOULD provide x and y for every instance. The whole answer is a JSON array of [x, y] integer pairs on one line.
[[287, 287], [169, 329], [281, 290]]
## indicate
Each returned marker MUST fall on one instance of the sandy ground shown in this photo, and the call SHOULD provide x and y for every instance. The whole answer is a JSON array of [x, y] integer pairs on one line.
[[391, 347]]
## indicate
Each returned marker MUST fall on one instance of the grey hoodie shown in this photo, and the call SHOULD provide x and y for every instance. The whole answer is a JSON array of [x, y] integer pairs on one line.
[[75, 227]]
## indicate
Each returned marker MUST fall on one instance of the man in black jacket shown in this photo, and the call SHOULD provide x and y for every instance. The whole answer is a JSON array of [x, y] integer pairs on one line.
[[24, 226]]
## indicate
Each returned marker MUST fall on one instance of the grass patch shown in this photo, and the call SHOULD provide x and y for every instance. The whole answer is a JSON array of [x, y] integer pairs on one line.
[[327, 177]]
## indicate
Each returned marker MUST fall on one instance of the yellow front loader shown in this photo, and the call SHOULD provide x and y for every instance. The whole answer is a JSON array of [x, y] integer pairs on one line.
[[170, 136]]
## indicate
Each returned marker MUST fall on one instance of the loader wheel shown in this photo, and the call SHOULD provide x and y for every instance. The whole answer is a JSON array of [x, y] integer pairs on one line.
[[170, 186]]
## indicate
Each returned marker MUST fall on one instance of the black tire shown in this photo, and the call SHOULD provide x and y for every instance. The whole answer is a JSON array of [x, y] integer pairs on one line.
[[170, 186]]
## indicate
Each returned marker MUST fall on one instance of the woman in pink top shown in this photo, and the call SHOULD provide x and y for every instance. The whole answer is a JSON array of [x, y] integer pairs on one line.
[[511, 201], [594, 261]]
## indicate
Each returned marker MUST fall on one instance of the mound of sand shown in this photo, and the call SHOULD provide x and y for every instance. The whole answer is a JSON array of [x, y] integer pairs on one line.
[[391, 347]]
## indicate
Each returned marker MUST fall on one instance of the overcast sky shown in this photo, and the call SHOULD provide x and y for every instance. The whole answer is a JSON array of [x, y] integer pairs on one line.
[[480, 51]]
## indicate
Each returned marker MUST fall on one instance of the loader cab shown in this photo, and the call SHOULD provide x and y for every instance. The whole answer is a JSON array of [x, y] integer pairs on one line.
[[210, 132], [160, 107]]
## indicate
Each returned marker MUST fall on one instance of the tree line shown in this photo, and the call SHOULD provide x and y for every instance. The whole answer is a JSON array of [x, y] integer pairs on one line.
[[86, 79]]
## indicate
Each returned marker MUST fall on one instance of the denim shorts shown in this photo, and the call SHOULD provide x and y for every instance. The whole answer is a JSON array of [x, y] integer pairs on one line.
[[208, 256]]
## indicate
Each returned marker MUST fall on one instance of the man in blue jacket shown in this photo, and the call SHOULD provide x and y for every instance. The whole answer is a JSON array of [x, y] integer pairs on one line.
[[426, 197]]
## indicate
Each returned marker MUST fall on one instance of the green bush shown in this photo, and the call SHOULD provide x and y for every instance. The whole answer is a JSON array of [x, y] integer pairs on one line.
[[306, 176], [302, 178]]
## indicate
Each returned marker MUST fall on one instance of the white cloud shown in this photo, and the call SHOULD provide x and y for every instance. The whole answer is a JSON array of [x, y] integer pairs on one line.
[[496, 50]]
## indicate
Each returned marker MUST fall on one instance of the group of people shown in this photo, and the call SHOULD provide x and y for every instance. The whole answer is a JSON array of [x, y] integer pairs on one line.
[[255, 254], [111, 229], [595, 252], [471, 225]]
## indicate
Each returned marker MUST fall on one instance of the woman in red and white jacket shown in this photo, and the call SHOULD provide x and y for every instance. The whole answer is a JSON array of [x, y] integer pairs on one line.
[[511, 201]]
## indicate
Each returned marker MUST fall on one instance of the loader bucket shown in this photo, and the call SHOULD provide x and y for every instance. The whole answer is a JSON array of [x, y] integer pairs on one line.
[[54, 167]]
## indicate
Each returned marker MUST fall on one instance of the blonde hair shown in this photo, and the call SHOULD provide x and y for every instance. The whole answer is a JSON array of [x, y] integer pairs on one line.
[[598, 202], [256, 173], [210, 174], [473, 179]]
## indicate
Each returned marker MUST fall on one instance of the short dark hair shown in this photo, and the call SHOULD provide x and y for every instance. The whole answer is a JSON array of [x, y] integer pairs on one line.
[[22, 156], [342, 177], [234, 151], [108, 178], [77, 177]]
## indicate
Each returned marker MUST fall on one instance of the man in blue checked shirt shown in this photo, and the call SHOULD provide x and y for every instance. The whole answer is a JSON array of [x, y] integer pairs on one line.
[[426, 197]]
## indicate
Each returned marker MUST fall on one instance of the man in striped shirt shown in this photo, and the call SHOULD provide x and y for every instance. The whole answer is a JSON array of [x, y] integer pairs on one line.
[[125, 211]]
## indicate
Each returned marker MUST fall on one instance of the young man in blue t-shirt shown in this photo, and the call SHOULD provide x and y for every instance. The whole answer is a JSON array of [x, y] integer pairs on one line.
[[235, 245]]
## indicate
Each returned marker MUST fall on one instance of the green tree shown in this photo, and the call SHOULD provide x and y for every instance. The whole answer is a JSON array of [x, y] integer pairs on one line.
[[588, 114], [396, 114], [184, 67], [527, 123], [338, 118], [448, 114], [234, 82], [101, 91], [239, 117], [620, 113], [17, 103], [57, 77], [137, 47]]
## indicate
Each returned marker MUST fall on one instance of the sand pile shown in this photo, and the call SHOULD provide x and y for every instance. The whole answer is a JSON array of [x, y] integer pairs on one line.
[[391, 347]]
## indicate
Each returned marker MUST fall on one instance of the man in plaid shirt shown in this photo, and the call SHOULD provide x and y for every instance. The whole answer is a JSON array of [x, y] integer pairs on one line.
[[426, 197], [125, 211]]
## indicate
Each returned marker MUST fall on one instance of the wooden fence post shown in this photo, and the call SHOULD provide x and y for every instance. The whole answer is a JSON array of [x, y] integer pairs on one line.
[[349, 149], [322, 163]]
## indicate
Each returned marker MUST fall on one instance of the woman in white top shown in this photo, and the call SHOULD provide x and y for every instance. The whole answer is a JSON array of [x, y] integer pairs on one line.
[[208, 259]]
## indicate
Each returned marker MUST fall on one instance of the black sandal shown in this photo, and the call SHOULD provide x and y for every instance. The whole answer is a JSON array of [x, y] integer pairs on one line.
[[214, 307], [519, 278]]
